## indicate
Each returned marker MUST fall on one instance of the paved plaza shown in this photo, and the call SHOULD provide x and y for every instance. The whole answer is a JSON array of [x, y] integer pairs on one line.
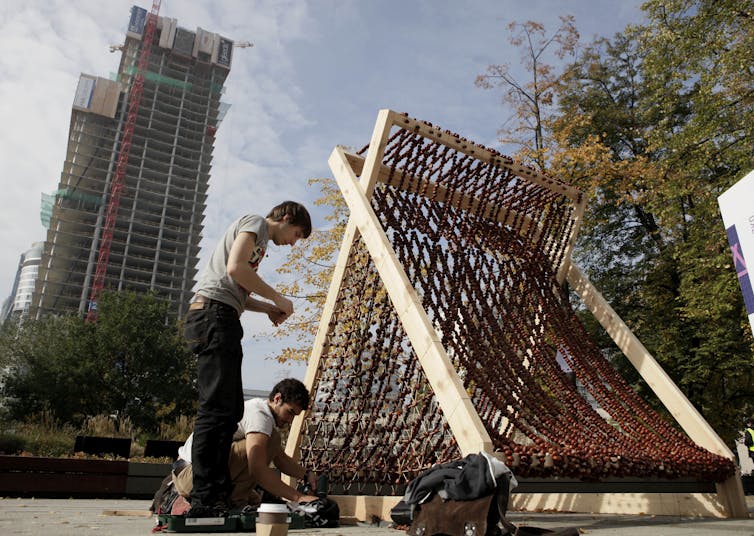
[[102, 517]]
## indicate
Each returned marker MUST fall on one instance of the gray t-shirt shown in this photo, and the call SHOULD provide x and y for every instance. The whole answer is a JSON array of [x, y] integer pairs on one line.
[[257, 417], [215, 283]]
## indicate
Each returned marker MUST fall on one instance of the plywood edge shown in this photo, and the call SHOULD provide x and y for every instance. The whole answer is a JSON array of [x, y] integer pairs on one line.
[[658, 504], [702, 505]]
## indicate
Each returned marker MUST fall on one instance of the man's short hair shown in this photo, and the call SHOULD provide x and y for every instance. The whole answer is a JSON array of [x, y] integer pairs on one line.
[[291, 391], [297, 215]]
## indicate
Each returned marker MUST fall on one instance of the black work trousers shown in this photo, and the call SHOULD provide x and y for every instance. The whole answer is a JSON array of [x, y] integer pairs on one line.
[[214, 334]]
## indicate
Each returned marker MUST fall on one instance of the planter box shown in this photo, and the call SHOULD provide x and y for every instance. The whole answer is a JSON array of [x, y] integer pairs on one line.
[[101, 446], [145, 478], [62, 477], [159, 448]]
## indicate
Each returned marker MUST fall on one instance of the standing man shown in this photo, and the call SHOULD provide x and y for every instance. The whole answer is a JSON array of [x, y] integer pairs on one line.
[[213, 332]]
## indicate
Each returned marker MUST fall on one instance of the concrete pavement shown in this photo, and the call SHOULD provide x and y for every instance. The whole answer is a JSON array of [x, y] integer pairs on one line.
[[103, 517]]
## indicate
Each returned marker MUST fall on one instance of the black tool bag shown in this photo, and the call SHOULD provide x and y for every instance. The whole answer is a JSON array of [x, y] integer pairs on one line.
[[462, 498], [484, 516]]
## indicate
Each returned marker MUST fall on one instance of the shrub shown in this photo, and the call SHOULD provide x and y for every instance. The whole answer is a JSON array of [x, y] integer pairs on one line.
[[178, 430], [40, 435], [10, 443]]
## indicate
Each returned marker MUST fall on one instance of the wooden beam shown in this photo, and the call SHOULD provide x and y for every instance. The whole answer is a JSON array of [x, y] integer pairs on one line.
[[366, 508], [692, 422], [486, 155], [462, 418]]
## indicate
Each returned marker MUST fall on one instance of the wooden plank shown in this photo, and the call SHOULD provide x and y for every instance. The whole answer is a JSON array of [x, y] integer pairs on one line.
[[731, 495], [448, 388], [661, 504], [127, 513], [366, 508], [377, 144]]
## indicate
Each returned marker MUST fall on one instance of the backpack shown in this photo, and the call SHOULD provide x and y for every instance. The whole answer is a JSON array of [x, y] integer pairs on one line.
[[467, 497], [164, 497]]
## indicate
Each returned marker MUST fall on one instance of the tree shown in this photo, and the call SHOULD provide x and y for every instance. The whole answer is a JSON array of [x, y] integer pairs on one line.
[[653, 125], [639, 131], [132, 363], [531, 100], [310, 265]]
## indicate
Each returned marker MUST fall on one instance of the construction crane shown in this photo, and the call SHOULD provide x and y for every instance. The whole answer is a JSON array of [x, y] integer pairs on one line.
[[116, 186]]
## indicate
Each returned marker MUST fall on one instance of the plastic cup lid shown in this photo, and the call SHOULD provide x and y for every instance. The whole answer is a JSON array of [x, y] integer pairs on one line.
[[273, 508]]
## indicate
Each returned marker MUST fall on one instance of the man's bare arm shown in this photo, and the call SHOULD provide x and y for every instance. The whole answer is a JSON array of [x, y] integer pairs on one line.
[[238, 268], [290, 467], [257, 445]]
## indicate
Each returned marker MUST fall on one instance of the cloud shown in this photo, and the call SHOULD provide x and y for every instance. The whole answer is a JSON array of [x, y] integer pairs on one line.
[[317, 75]]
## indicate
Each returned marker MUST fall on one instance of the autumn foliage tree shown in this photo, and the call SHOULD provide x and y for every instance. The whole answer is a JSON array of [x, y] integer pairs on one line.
[[307, 273], [531, 100]]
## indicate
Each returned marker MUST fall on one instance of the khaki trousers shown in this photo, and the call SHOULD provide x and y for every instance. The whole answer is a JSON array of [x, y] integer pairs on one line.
[[244, 484]]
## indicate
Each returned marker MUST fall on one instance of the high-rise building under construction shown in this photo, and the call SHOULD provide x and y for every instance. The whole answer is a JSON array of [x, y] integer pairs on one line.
[[155, 238]]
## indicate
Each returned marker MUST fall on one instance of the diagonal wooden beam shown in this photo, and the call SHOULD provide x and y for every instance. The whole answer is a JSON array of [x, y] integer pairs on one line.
[[455, 402], [696, 427]]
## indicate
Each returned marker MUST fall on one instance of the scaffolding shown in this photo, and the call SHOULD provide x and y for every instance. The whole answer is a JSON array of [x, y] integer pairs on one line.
[[155, 242]]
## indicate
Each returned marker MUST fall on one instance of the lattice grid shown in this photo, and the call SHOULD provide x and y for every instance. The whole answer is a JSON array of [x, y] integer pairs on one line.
[[481, 243]]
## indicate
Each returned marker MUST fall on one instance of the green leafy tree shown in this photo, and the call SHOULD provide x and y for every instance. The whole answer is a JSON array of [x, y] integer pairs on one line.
[[653, 125], [131, 363], [639, 131], [49, 368]]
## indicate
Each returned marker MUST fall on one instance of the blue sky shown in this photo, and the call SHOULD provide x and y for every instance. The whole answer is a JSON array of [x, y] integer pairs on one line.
[[316, 77]]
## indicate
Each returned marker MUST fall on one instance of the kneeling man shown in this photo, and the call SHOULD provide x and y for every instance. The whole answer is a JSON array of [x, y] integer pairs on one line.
[[256, 444]]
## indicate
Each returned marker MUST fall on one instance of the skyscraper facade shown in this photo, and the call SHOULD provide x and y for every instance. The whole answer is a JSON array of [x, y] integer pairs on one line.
[[159, 221], [19, 301]]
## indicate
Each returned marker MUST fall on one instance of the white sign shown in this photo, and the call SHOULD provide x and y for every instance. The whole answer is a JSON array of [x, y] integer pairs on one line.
[[737, 209]]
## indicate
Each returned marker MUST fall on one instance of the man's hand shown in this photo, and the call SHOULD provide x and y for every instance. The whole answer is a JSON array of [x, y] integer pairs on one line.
[[276, 316], [284, 310], [284, 304]]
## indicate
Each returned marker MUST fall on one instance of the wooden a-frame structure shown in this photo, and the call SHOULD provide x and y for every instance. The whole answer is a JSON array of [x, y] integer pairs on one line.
[[464, 422]]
